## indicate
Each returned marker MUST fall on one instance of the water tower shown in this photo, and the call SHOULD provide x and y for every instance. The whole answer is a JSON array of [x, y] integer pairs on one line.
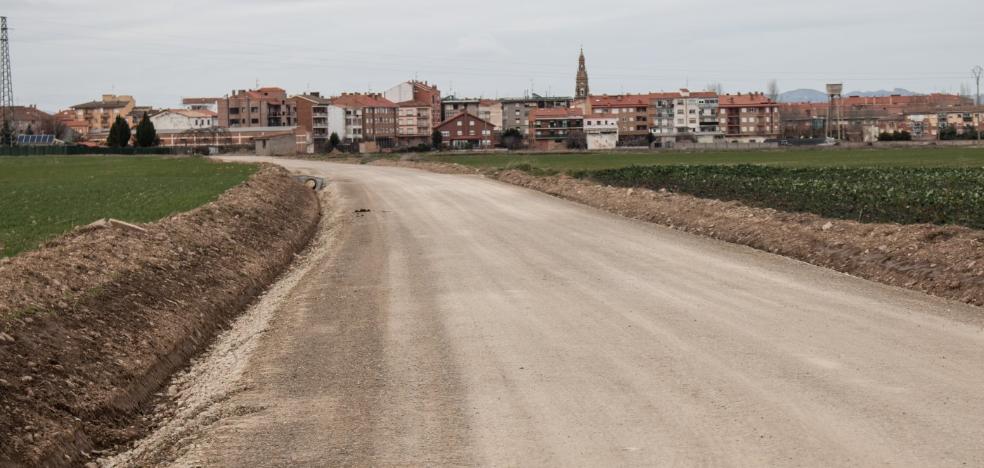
[[834, 91]]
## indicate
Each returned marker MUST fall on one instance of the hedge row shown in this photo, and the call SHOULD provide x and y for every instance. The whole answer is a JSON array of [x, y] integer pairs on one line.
[[899, 195]]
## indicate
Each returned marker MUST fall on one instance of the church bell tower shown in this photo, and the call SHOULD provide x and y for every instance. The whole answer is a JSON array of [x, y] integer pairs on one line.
[[581, 86]]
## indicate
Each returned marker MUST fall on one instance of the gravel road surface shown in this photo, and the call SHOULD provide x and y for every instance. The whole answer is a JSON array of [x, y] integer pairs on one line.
[[464, 321]]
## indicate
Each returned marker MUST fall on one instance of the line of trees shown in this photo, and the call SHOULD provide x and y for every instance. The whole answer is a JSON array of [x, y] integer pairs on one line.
[[120, 134]]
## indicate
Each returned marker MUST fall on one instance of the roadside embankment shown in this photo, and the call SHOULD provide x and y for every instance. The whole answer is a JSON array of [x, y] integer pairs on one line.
[[94, 322], [945, 261]]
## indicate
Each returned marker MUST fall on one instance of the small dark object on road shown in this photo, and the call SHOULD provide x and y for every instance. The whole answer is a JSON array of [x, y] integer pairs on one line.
[[363, 210]]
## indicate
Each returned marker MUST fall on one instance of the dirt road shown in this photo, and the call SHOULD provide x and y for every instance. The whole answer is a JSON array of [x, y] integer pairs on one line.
[[464, 321]]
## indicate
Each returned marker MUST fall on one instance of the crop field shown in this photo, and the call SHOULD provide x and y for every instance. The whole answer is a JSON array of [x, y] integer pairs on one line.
[[908, 157], [42, 197], [906, 195], [919, 185]]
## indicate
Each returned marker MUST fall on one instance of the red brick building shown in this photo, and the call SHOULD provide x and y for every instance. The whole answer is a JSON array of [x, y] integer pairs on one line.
[[856, 113], [311, 114], [414, 124], [748, 118], [264, 107], [364, 117], [466, 131], [550, 129], [631, 110], [418, 92]]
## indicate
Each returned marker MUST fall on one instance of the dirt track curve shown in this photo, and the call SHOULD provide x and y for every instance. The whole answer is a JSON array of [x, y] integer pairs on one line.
[[464, 321]]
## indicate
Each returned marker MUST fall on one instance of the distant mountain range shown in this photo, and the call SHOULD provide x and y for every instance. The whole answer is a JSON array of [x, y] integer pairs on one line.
[[812, 95]]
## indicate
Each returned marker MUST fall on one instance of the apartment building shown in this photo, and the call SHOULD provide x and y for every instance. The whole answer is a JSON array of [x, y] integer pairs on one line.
[[30, 117], [359, 117], [413, 123], [490, 110], [748, 118], [263, 107], [919, 115], [516, 111], [311, 114], [631, 110], [452, 106], [100, 115], [684, 115], [467, 131], [552, 128], [421, 92], [961, 119]]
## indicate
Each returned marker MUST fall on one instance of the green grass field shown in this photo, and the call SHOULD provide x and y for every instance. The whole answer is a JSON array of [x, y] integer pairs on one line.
[[44, 196], [908, 157]]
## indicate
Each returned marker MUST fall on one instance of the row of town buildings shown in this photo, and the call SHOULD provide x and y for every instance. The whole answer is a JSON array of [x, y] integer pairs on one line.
[[407, 115]]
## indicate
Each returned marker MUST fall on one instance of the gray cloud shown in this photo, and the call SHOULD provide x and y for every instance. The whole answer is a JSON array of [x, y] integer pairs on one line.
[[66, 51]]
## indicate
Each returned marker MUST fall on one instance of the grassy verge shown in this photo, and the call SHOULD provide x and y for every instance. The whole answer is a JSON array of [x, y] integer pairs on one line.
[[875, 157], [42, 197]]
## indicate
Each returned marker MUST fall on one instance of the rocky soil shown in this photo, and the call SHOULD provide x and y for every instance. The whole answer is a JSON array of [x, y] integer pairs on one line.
[[94, 322]]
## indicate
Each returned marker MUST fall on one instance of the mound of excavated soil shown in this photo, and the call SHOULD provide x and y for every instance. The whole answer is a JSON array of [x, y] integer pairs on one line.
[[94, 322], [946, 261]]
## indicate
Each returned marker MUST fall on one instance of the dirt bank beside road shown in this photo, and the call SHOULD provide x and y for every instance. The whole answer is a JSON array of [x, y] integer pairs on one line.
[[945, 261], [95, 321]]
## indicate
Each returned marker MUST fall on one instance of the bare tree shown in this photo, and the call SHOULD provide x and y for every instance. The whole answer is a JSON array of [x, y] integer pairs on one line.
[[772, 90], [576, 140], [53, 126]]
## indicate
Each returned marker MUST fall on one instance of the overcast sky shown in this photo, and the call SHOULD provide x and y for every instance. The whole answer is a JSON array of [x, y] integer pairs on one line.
[[69, 51]]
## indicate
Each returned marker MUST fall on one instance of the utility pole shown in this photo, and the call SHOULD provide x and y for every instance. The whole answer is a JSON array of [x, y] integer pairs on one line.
[[6, 86], [977, 71]]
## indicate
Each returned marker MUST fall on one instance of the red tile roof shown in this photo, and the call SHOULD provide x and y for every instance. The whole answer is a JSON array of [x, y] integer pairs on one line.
[[413, 104], [268, 92], [361, 100], [737, 100], [556, 112], [461, 116], [28, 113], [620, 100]]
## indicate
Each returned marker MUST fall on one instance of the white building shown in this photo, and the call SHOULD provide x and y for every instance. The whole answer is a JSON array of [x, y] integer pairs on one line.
[[184, 119], [601, 132], [684, 115], [346, 122]]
